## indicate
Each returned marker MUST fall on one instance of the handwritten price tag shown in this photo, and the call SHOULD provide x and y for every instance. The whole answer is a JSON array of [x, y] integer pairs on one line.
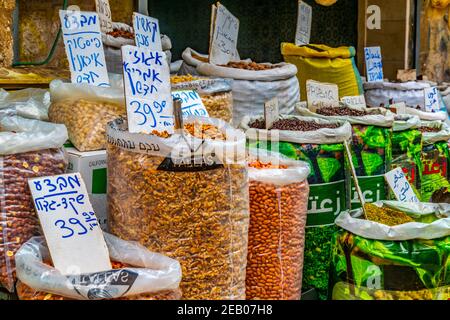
[[84, 47], [147, 90], [355, 101], [374, 64], [104, 13], [146, 32], [304, 17], [191, 103], [223, 45], [321, 92], [271, 112], [432, 99], [400, 186], [70, 226]]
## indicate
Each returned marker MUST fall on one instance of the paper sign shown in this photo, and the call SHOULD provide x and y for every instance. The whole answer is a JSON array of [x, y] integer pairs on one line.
[[271, 112], [191, 103], [321, 92], [400, 186], [147, 90], [374, 64], [84, 47], [355, 101], [304, 17], [399, 107], [432, 99], [146, 32], [70, 226], [104, 13], [223, 48]]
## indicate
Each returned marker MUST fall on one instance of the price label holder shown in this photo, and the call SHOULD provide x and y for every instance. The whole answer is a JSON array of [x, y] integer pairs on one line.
[[321, 92], [147, 90], [374, 64], [398, 183], [104, 13], [191, 103], [84, 47], [432, 99], [355, 101], [271, 112], [70, 227], [223, 44], [146, 32], [304, 17]]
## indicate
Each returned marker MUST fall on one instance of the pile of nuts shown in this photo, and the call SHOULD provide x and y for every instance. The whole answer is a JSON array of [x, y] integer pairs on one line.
[[429, 129], [85, 121], [181, 79], [341, 111], [18, 219], [293, 125], [117, 33], [276, 239], [249, 65]]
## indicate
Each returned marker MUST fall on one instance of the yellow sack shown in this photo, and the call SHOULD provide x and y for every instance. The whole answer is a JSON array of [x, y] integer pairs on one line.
[[325, 64]]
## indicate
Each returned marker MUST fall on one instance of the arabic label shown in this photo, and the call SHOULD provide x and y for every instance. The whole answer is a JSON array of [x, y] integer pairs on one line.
[[147, 90], [225, 36], [104, 13], [374, 64], [304, 17], [355, 101], [70, 226], [373, 189], [432, 99], [321, 92], [146, 32], [271, 112], [398, 183], [84, 47], [191, 103]]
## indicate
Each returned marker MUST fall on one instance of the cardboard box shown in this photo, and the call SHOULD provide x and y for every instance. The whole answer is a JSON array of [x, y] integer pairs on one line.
[[92, 167]]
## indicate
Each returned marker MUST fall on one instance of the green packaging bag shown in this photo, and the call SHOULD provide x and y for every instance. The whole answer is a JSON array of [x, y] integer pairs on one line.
[[323, 150], [372, 261], [371, 149], [435, 159]]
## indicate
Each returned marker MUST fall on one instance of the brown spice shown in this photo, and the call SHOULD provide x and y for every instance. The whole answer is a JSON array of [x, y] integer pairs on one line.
[[117, 33], [293, 125], [341, 111], [249, 65], [429, 129], [261, 165], [387, 216]]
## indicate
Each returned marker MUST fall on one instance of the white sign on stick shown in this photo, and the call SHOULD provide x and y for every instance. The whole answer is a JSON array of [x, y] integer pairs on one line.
[[271, 112], [147, 90], [146, 32], [321, 92], [432, 99], [104, 13], [191, 103], [70, 226], [223, 46], [374, 64], [400, 186], [355, 101], [84, 47], [304, 17]]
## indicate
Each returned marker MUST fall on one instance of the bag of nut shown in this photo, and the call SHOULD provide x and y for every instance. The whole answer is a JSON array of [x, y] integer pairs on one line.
[[28, 149], [276, 238], [86, 110], [186, 196], [137, 274]]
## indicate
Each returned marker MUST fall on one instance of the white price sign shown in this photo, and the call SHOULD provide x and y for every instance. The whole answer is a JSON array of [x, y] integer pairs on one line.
[[104, 12], [271, 112], [399, 107], [84, 47], [355, 101], [223, 45], [191, 103], [304, 17], [432, 99], [70, 226], [147, 90], [146, 32], [374, 64], [321, 92], [400, 186]]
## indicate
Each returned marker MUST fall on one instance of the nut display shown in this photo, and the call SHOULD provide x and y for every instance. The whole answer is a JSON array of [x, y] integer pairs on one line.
[[249, 65], [341, 111], [219, 105], [181, 79], [117, 33], [85, 121], [293, 125], [18, 219]]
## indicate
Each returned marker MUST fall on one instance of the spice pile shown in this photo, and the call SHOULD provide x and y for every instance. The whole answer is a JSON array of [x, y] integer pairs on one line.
[[249, 66], [387, 216], [117, 33], [429, 129], [293, 125], [341, 111]]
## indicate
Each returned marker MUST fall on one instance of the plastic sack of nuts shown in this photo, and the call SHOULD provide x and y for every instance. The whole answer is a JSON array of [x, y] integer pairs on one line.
[[276, 237], [186, 196], [216, 95], [28, 149], [319, 143], [29, 103], [137, 274], [86, 110]]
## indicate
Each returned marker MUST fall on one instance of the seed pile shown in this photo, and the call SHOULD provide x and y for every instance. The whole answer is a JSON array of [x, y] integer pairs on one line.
[[387, 216], [429, 129], [249, 66], [293, 125], [341, 111]]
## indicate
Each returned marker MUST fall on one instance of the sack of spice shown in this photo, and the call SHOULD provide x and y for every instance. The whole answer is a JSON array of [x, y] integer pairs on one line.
[[256, 83], [137, 274], [435, 158], [216, 95], [31, 103], [28, 149], [319, 143], [371, 146], [184, 195], [382, 260], [276, 236], [191, 59], [86, 110]]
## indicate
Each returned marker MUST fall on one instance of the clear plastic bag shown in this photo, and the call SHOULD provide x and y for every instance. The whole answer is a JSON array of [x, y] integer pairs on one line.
[[195, 212], [28, 103], [137, 274], [276, 237], [28, 149]]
